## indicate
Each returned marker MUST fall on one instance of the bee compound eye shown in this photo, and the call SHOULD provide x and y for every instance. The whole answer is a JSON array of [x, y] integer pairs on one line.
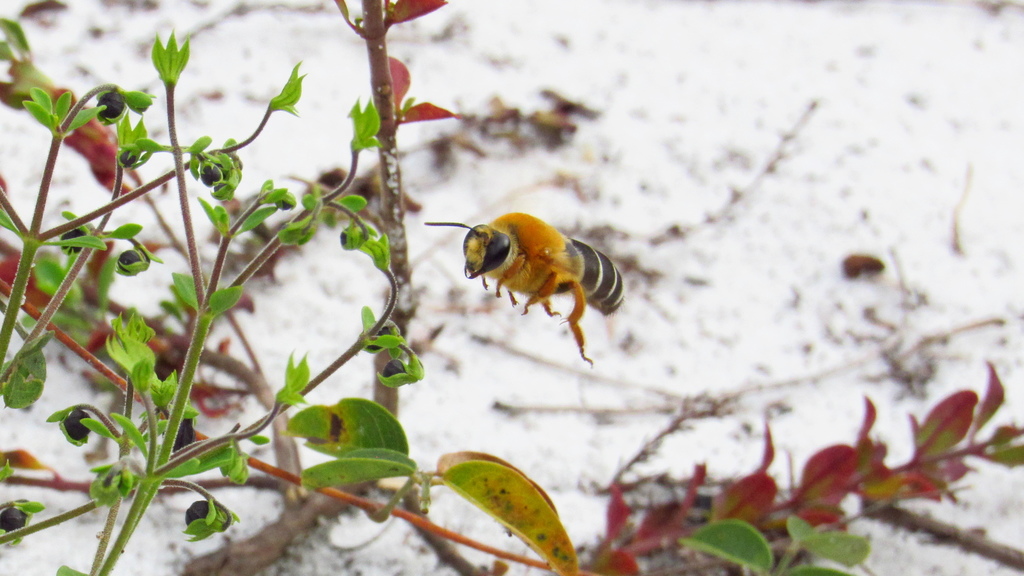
[[496, 252]]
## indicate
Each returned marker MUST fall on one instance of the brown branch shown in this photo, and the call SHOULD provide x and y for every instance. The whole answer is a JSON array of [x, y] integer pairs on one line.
[[966, 540], [392, 210]]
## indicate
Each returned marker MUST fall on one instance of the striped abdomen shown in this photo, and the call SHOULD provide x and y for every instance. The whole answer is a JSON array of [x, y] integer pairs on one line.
[[601, 280]]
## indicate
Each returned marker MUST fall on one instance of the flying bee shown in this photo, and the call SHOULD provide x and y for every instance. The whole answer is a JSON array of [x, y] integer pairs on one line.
[[528, 256]]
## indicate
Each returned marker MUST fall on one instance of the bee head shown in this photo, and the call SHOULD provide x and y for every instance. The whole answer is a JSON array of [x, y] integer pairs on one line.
[[485, 248]]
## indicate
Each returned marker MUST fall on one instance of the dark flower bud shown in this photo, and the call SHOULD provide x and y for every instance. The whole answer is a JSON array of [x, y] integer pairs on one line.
[[198, 510], [12, 519], [76, 233], [114, 102], [132, 262], [392, 368], [129, 159], [210, 174], [186, 434], [73, 424], [198, 523]]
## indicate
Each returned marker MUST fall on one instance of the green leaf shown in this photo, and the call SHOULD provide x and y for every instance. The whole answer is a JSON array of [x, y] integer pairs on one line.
[[6, 222], [290, 94], [65, 571], [1008, 456], [15, 37], [199, 145], [41, 114], [222, 300], [28, 373], [98, 427], [216, 459], [80, 242], [379, 250], [296, 378], [169, 60], [6, 472], [353, 202], [257, 218], [366, 124], [62, 106], [125, 232], [846, 549], [799, 529], [518, 503], [733, 540], [185, 289], [259, 440], [218, 216], [367, 317], [358, 466], [82, 118], [132, 431], [351, 424]]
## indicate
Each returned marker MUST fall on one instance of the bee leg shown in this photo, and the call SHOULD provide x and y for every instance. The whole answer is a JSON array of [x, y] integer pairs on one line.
[[484, 280], [574, 319], [547, 308], [542, 295], [513, 269]]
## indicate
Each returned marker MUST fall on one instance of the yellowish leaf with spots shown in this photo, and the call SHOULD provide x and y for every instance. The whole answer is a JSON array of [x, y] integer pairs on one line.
[[499, 489]]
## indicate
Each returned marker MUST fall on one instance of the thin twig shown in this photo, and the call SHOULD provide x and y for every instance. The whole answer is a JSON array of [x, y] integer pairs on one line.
[[958, 247], [967, 540]]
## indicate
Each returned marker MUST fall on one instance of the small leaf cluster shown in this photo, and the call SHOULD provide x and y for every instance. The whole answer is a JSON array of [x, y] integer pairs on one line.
[[951, 433], [405, 366], [740, 543]]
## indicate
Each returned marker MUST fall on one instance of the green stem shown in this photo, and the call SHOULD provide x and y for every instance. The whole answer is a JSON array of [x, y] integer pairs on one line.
[[183, 200], [181, 396], [108, 529], [21, 279], [143, 496]]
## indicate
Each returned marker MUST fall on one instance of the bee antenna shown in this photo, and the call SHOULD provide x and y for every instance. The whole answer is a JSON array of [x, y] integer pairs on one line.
[[452, 224]]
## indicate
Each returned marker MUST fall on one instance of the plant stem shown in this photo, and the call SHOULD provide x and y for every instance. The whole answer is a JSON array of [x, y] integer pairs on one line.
[[143, 496], [181, 396], [392, 210], [183, 201], [14, 301]]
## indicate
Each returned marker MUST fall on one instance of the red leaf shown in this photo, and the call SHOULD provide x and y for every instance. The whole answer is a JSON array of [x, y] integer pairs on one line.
[[819, 516], [614, 562], [870, 414], [22, 459], [662, 522], [769, 450], [405, 10], [749, 498], [994, 396], [617, 514], [826, 475], [622, 562], [400, 81], [426, 111], [947, 424]]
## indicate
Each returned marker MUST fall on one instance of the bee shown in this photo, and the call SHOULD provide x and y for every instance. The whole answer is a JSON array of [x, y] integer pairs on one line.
[[528, 256]]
